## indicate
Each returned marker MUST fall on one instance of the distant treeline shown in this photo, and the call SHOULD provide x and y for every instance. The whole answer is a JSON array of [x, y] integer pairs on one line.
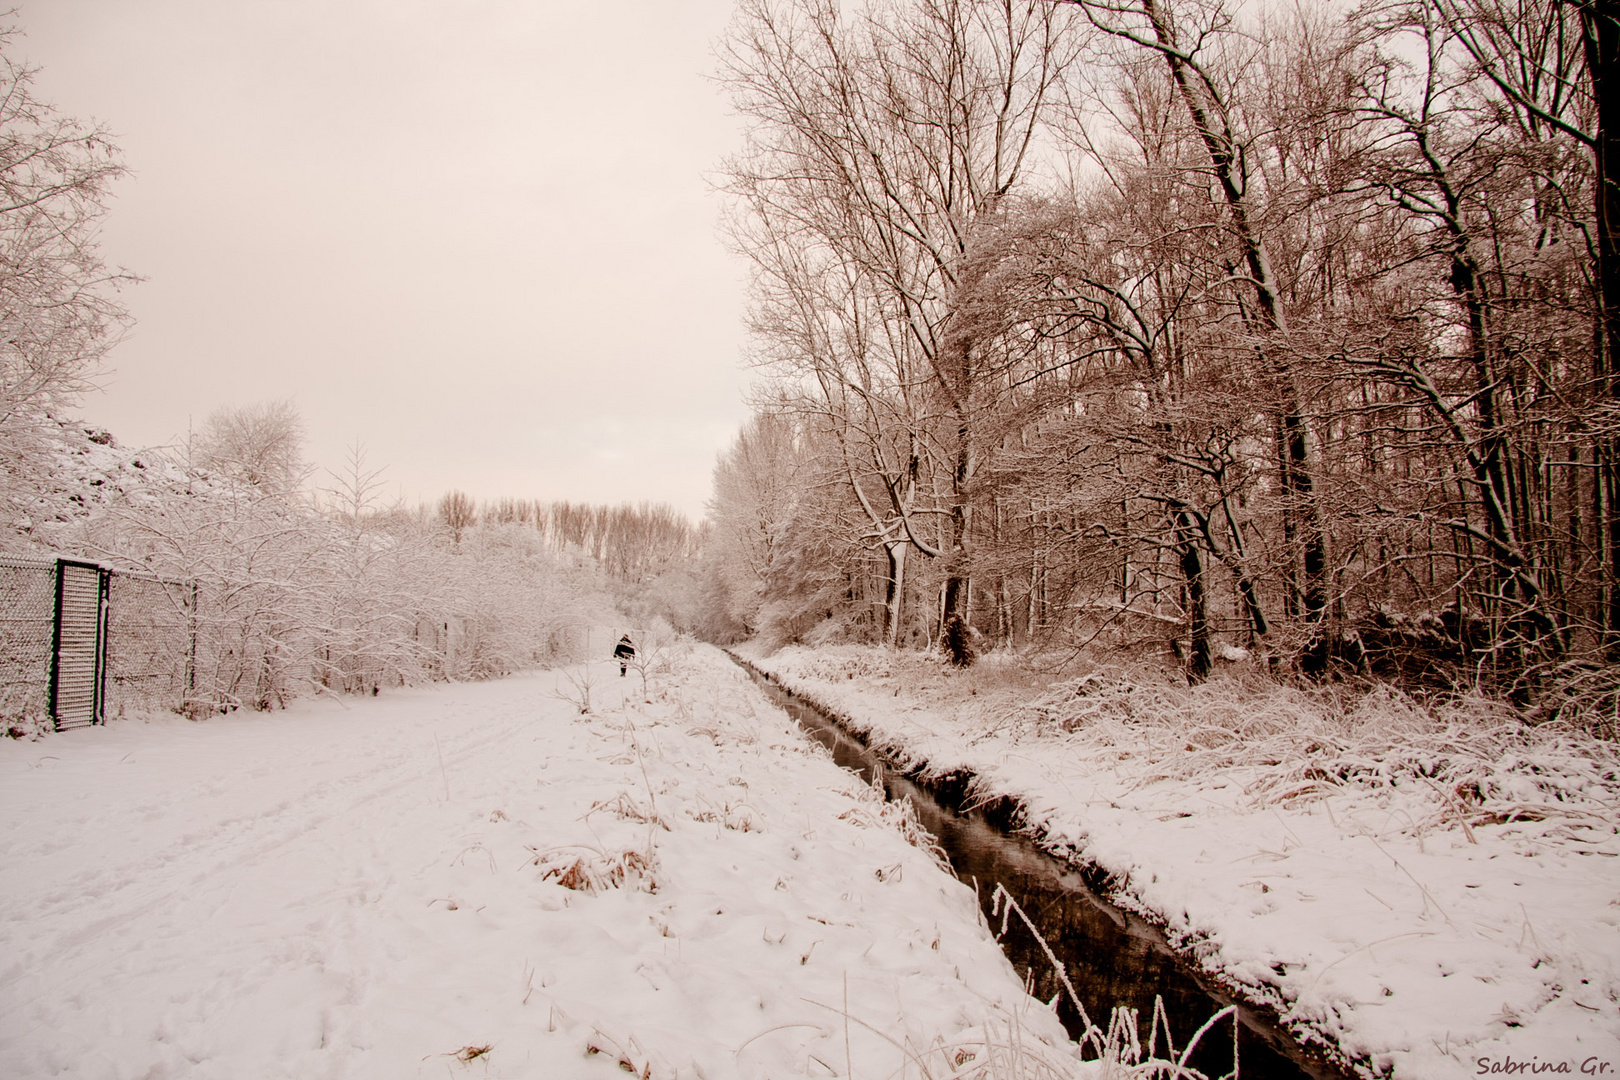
[[633, 543]]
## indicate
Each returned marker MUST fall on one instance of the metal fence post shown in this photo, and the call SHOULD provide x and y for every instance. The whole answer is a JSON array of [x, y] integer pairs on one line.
[[56, 643], [98, 711]]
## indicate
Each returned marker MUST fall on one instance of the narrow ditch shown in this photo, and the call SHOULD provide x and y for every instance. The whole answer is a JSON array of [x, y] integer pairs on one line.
[[1113, 956]]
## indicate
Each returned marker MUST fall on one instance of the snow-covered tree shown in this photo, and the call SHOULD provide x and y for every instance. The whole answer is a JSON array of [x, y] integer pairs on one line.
[[59, 310], [260, 444]]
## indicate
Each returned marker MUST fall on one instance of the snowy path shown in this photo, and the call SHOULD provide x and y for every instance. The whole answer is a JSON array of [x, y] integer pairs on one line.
[[313, 894]]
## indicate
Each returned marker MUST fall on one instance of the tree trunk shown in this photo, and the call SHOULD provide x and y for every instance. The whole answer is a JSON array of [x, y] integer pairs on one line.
[[1602, 42], [894, 592], [1192, 575], [954, 629]]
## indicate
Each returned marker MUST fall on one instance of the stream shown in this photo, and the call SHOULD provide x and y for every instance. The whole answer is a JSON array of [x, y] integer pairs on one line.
[[1113, 957]]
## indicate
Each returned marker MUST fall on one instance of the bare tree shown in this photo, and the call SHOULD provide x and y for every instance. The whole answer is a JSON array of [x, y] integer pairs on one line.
[[883, 146], [57, 311], [1188, 41], [355, 491], [1553, 67], [458, 513], [755, 495]]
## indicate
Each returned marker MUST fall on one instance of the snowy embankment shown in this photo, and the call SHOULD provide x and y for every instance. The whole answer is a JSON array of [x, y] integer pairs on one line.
[[1436, 893], [476, 880]]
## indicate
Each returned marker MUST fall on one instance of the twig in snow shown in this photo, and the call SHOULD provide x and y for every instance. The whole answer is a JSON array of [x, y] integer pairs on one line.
[[779, 1027], [1419, 884], [849, 1068], [460, 859], [466, 1055], [1530, 928], [1367, 948], [442, 774], [1002, 896]]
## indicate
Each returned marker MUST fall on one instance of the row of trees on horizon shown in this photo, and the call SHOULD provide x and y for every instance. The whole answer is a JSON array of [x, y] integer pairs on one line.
[[633, 542], [1179, 324]]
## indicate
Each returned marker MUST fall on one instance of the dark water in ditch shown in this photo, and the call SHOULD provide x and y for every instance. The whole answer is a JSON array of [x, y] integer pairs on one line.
[[1113, 958]]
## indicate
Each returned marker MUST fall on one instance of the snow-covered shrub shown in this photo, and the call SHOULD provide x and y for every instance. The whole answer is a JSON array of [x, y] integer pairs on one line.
[[295, 596], [1585, 696]]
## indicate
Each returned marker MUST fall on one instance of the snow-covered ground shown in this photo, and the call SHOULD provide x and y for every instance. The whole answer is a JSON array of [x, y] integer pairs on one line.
[[476, 880], [1442, 903]]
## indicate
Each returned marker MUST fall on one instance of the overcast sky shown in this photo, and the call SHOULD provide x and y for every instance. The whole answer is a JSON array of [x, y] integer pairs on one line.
[[477, 235]]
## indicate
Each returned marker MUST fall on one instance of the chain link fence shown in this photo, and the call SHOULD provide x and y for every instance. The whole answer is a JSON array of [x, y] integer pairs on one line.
[[143, 643], [27, 631], [151, 643]]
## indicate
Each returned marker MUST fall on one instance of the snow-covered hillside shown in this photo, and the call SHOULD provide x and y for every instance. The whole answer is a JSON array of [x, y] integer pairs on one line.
[[62, 471]]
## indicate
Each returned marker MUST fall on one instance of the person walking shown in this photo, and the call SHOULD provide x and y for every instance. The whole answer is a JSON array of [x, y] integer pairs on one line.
[[625, 652]]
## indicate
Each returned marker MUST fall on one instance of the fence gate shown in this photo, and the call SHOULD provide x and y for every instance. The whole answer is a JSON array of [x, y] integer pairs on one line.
[[77, 639], [78, 666]]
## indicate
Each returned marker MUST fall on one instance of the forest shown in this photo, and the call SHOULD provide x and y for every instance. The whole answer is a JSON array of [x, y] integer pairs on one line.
[[1206, 330]]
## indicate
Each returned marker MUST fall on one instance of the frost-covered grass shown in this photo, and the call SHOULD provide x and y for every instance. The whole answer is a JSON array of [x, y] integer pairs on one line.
[[1479, 761], [1427, 884]]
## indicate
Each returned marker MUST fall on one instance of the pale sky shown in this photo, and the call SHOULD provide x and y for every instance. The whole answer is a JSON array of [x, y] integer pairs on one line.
[[478, 235]]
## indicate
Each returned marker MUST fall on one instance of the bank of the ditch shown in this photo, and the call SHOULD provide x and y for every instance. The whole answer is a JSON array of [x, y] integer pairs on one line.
[[1428, 883], [1113, 957]]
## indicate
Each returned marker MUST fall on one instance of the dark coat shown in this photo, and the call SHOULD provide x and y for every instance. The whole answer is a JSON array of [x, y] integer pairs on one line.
[[625, 650]]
